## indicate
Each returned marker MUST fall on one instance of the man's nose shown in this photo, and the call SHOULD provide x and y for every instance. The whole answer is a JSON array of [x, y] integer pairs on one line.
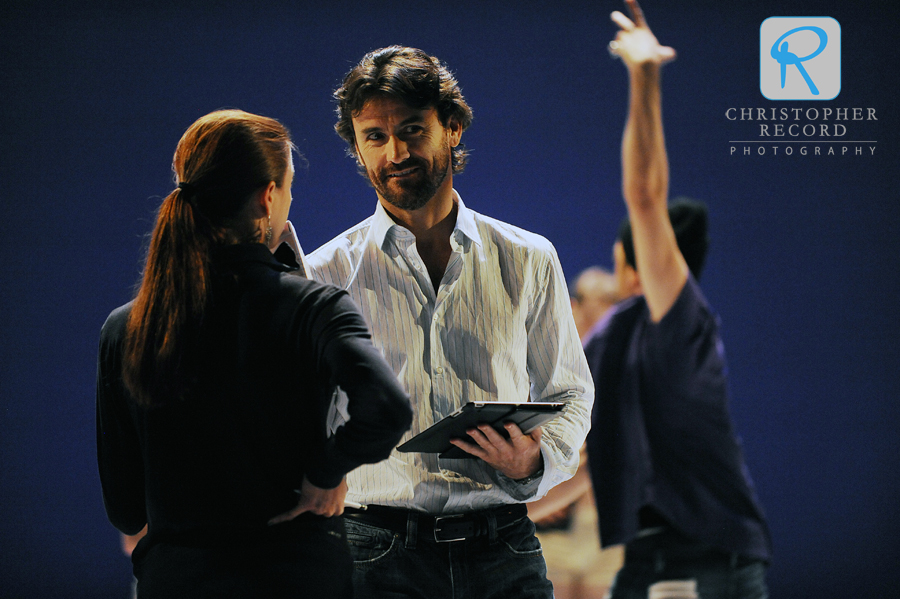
[[398, 150]]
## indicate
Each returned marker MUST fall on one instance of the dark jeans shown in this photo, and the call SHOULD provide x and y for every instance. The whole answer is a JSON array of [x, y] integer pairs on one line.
[[394, 564], [669, 555]]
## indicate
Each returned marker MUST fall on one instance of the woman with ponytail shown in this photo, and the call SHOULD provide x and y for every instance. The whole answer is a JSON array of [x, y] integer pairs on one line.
[[215, 383]]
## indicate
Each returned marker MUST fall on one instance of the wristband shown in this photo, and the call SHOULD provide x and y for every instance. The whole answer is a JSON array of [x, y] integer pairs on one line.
[[531, 477]]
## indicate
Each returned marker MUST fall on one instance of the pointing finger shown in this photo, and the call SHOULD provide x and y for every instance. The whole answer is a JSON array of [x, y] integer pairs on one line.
[[621, 20], [636, 13]]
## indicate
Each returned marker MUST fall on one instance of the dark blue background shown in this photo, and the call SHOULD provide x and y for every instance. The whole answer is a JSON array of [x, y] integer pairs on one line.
[[803, 271]]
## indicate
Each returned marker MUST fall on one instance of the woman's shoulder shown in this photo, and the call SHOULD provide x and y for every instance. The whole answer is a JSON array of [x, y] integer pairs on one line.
[[114, 326], [297, 305], [298, 288]]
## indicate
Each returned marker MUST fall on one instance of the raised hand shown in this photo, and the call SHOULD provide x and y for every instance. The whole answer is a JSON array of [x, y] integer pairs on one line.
[[635, 44]]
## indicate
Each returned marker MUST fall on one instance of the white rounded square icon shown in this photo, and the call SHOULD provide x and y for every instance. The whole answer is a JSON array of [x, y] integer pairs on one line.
[[800, 58]]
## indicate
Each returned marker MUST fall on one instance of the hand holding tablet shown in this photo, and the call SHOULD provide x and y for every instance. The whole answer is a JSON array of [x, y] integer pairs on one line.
[[436, 438]]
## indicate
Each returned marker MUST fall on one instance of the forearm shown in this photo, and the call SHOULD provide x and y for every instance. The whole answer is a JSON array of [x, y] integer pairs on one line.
[[379, 410], [119, 459], [561, 495], [645, 166]]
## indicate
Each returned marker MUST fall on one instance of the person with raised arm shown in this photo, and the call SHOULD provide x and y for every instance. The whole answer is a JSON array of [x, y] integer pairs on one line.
[[666, 466]]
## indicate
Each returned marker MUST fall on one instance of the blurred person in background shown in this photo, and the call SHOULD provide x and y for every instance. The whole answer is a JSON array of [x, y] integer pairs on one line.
[[667, 468], [569, 536]]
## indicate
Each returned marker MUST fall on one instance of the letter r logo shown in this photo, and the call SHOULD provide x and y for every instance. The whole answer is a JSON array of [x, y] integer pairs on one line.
[[800, 58]]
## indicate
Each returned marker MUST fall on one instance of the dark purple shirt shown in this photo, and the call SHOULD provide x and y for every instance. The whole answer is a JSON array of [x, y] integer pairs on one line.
[[662, 435]]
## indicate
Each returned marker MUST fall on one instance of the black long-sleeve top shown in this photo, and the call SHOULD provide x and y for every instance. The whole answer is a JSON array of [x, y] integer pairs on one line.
[[221, 462]]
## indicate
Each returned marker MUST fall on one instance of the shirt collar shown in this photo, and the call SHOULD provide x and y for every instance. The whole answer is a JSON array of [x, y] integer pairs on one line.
[[288, 242], [465, 227], [465, 222], [382, 224]]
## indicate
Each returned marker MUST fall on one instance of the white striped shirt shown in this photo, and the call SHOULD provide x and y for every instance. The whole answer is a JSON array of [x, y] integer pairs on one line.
[[499, 328]]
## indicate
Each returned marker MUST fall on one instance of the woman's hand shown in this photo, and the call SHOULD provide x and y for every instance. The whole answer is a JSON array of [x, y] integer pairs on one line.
[[324, 502]]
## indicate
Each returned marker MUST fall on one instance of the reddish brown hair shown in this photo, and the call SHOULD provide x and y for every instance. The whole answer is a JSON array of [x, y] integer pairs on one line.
[[221, 162]]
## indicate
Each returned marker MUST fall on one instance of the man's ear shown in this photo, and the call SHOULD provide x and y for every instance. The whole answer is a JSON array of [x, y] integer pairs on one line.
[[455, 130]]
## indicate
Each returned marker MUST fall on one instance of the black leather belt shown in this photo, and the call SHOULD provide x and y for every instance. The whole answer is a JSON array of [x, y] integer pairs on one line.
[[442, 529]]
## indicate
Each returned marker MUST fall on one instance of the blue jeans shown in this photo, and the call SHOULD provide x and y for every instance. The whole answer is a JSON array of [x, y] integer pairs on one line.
[[669, 555], [393, 564]]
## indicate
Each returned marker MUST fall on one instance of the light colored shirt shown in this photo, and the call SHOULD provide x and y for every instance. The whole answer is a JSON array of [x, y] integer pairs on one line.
[[499, 328]]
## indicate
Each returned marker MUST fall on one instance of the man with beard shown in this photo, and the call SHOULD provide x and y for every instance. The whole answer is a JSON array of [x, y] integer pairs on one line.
[[465, 308]]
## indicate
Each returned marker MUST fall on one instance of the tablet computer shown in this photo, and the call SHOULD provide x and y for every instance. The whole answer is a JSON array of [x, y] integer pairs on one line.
[[436, 438]]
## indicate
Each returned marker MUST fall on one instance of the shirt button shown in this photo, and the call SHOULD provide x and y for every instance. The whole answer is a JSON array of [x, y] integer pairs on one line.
[[439, 370]]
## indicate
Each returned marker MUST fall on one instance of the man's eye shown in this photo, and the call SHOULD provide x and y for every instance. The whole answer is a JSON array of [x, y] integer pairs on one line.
[[374, 136]]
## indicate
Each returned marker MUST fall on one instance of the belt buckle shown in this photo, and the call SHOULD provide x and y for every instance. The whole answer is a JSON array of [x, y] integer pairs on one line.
[[439, 527]]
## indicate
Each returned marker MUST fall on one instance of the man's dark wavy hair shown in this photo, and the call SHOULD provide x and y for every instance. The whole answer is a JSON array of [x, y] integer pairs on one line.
[[690, 220], [410, 75]]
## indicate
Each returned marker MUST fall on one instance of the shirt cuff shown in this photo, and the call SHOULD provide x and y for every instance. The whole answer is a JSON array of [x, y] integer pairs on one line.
[[553, 474], [526, 488]]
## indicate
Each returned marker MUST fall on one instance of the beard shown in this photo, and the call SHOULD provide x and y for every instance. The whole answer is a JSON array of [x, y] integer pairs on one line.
[[416, 191]]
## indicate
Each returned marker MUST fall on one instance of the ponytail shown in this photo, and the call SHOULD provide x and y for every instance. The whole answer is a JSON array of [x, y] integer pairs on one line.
[[169, 306], [222, 160]]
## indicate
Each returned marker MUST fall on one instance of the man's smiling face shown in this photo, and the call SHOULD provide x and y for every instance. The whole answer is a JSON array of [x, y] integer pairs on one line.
[[405, 151]]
